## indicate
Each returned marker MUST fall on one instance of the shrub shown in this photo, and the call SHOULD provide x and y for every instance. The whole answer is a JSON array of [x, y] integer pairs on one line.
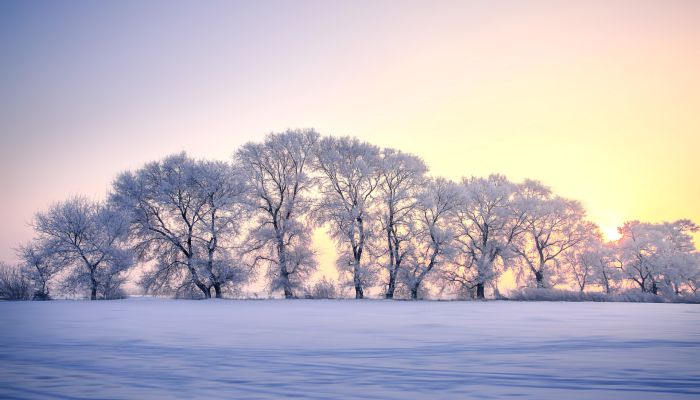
[[14, 283]]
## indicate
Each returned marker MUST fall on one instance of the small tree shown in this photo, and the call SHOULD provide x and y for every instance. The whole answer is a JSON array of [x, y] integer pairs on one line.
[[14, 283], [89, 238], [42, 266]]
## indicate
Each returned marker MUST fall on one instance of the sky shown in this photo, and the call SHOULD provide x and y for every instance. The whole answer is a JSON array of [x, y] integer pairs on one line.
[[599, 99]]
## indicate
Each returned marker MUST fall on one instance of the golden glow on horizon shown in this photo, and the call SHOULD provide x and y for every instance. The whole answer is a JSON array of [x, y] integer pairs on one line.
[[598, 100], [611, 233]]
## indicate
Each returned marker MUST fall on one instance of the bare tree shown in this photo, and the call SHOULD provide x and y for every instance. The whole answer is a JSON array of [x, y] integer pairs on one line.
[[552, 225], [278, 171], [89, 238], [401, 177], [350, 177], [434, 232]]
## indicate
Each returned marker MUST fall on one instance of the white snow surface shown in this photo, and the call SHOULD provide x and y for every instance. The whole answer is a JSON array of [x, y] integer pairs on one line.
[[322, 349]]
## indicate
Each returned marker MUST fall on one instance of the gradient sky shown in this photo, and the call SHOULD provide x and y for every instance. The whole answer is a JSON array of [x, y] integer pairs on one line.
[[600, 100]]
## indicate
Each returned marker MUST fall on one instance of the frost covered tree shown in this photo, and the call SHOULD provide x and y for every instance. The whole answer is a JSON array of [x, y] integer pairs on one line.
[[163, 207], [552, 225], [89, 238], [14, 283], [401, 178], [224, 190], [433, 239], [279, 174], [606, 269], [659, 256], [181, 212], [487, 223], [587, 263], [42, 266], [348, 185]]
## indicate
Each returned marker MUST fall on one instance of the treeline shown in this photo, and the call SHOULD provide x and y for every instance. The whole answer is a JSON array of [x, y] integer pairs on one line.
[[201, 228]]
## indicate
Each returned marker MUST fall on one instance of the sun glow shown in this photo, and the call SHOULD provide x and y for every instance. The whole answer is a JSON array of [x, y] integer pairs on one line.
[[610, 233]]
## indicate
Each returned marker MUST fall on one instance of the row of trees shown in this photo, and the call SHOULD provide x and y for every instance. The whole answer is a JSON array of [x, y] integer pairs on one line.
[[211, 227]]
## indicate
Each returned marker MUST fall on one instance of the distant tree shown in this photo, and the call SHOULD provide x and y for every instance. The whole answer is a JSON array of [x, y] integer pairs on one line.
[[279, 174], [323, 289], [14, 283], [89, 237], [584, 263], [659, 256], [606, 268], [348, 185], [552, 226], [42, 266], [433, 240], [487, 224], [401, 178]]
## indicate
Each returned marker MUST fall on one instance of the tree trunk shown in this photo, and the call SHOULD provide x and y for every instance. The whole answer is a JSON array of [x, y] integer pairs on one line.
[[392, 287], [217, 290], [654, 288], [359, 293], [540, 279], [93, 286], [480, 291], [414, 291]]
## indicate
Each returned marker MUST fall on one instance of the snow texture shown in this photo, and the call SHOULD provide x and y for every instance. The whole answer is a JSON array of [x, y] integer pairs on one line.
[[319, 349]]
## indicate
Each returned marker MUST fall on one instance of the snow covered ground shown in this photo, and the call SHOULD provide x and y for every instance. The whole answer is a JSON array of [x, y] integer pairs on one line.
[[154, 348]]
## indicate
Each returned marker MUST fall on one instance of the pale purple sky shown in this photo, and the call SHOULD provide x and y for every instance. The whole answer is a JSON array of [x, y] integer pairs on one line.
[[598, 99]]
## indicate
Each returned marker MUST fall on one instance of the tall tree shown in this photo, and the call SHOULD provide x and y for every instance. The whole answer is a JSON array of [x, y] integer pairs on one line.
[[434, 232], [223, 188], [349, 180], [278, 172], [401, 177], [89, 238], [164, 206], [487, 222]]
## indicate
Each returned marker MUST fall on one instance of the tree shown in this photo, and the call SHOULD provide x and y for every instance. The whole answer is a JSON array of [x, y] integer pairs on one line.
[[584, 262], [182, 215], [278, 172], [658, 256], [401, 177], [607, 271], [223, 188], [552, 225], [487, 223], [350, 177], [14, 283], [42, 266], [434, 233], [89, 238]]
